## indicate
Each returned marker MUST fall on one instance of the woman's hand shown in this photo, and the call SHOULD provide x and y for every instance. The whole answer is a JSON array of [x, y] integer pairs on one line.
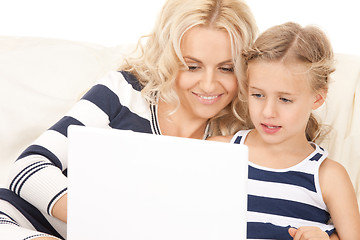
[[46, 238], [308, 233], [60, 209]]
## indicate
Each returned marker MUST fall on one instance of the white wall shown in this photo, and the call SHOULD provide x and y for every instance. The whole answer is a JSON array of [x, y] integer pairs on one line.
[[111, 22], [338, 18]]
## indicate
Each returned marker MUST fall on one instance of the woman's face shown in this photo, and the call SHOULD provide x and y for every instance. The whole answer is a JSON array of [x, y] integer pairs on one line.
[[209, 84]]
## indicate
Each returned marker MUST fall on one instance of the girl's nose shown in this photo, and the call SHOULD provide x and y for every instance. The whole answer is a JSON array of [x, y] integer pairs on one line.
[[269, 110]]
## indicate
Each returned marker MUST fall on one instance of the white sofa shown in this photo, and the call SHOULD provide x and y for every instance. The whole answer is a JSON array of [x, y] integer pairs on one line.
[[41, 78]]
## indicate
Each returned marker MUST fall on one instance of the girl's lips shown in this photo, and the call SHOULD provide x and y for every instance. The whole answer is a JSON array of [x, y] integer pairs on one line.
[[208, 99], [270, 129]]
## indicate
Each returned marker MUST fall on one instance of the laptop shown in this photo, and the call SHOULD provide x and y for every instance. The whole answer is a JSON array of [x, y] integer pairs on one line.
[[136, 186]]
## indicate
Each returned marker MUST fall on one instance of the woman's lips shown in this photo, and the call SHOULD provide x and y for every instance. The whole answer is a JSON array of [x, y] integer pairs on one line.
[[208, 99]]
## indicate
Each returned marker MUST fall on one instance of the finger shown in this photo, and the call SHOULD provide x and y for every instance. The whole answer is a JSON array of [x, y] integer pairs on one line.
[[314, 233], [292, 231]]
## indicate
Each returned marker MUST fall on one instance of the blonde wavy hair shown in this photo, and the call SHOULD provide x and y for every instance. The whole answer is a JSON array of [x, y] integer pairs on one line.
[[291, 42], [160, 56]]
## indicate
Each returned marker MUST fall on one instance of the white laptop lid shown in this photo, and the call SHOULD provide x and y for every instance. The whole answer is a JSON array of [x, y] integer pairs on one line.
[[131, 186]]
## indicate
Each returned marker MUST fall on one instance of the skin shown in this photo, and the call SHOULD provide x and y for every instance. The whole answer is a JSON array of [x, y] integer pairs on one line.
[[45, 238], [204, 89], [206, 86], [280, 105], [280, 102], [60, 209]]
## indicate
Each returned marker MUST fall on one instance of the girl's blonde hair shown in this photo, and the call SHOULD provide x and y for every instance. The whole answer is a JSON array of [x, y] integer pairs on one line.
[[160, 56], [291, 42]]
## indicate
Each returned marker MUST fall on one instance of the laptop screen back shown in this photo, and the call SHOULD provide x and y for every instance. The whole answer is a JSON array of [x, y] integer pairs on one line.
[[131, 186]]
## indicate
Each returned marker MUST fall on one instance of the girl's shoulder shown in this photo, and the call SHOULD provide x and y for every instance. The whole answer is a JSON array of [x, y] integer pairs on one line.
[[340, 198], [330, 170], [334, 180], [239, 137]]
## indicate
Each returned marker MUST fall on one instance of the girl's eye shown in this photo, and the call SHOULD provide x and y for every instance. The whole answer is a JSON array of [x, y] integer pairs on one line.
[[257, 95], [285, 100]]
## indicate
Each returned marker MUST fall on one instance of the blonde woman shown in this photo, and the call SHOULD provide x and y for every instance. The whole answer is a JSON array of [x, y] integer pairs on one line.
[[183, 84], [294, 190]]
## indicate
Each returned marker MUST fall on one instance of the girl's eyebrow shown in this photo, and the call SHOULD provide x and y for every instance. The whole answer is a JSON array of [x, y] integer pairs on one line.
[[279, 92], [286, 93], [254, 88]]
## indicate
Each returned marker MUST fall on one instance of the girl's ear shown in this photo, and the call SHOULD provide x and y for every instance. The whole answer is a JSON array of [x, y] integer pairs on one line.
[[319, 99]]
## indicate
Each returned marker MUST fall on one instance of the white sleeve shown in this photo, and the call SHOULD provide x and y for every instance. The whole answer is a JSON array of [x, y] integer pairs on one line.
[[39, 174], [14, 232]]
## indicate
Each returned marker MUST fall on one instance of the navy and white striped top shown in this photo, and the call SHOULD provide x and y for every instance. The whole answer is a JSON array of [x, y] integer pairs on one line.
[[39, 174], [282, 198]]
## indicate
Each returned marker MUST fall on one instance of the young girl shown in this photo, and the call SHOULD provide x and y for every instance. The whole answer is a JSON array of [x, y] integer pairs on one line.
[[294, 191]]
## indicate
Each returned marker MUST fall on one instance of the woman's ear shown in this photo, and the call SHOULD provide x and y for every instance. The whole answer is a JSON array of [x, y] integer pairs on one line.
[[319, 99]]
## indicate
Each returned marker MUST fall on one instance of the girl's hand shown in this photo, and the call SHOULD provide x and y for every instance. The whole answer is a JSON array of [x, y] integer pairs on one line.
[[308, 233]]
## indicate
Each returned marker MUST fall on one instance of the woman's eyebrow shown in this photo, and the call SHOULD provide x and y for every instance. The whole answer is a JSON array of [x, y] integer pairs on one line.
[[192, 58], [229, 61]]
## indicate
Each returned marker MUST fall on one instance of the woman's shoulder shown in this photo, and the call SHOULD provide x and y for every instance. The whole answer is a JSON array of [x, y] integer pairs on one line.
[[132, 80], [220, 138], [113, 79]]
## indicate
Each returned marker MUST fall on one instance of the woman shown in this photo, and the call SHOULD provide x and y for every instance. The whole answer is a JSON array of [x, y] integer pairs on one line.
[[182, 84]]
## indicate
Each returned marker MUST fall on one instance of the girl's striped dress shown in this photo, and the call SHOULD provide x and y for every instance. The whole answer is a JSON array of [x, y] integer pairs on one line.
[[282, 198]]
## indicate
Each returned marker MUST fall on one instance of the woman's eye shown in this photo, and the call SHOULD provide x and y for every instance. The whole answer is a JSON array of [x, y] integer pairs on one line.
[[193, 68], [285, 100], [227, 69]]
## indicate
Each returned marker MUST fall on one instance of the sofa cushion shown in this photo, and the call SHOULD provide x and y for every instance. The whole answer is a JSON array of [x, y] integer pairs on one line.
[[40, 79]]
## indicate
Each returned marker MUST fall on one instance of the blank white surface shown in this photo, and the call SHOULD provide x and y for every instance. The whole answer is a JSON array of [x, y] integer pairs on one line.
[[154, 187], [338, 18], [112, 22]]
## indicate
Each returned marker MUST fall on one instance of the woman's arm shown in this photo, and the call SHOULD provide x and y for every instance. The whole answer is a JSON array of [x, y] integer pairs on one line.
[[45, 238], [38, 174], [10, 231], [60, 209]]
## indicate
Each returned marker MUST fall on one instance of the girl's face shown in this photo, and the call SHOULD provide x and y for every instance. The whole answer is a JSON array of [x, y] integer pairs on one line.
[[280, 100], [209, 84]]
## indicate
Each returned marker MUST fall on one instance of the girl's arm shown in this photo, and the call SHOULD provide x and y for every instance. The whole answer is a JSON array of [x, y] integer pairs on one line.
[[340, 198], [304, 233]]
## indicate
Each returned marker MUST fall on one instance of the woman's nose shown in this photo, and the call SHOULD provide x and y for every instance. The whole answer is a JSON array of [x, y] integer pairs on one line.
[[208, 82]]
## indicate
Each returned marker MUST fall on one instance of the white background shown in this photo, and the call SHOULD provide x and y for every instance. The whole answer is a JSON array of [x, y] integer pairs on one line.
[[112, 22]]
